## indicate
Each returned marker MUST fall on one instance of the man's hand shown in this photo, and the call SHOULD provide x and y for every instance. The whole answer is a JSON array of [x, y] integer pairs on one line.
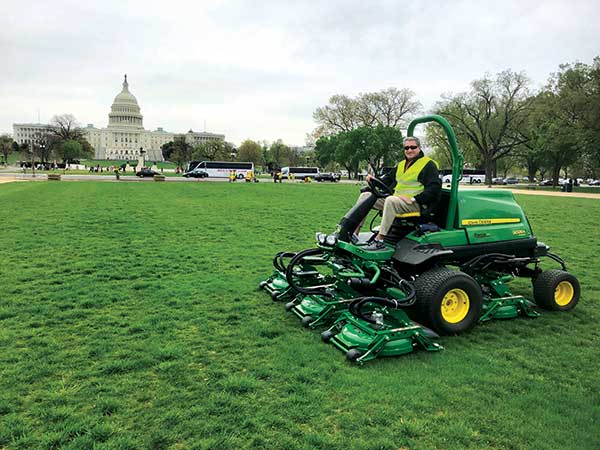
[[369, 176]]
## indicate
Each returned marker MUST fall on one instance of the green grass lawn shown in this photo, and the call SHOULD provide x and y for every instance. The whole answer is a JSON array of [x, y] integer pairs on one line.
[[130, 319]]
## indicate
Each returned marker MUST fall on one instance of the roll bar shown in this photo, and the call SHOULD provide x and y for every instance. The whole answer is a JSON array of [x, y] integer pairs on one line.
[[457, 161]]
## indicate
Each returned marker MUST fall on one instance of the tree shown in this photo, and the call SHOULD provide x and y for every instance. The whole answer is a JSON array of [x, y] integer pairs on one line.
[[346, 153], [167, 150], [279, 154], [389, 107], [553, 135], [490, 115], [250, 151], [64, 128], [6, 146], [213, 150], [180, 152], [577, 88], [435, 137], [379, 146], [70, 150]]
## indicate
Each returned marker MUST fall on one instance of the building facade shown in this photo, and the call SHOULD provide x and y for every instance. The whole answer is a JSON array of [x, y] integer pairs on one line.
[[125, 137]]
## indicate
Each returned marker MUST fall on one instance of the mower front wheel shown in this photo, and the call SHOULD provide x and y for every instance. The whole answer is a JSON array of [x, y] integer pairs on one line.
[[450, 302], [327, 335], [307, 320], [556, 290], [353, 354]]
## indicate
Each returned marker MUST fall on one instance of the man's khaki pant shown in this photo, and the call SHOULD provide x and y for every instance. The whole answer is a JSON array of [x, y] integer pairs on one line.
[[391, 206]]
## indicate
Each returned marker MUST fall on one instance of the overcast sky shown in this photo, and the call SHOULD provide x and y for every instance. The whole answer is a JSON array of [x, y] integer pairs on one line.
[[258, 69]]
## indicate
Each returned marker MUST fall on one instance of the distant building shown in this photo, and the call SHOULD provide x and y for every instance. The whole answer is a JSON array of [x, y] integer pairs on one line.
[[26, 133], [125, 136]]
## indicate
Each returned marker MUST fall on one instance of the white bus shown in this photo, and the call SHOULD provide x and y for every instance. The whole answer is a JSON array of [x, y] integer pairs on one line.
[[300, 173], [222, 169], [471, 176]]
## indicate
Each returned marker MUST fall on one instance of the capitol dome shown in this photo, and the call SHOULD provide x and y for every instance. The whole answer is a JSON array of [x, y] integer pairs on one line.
[[125, 111]]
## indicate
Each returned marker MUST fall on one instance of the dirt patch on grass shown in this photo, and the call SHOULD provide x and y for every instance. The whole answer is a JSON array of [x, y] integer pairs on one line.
[[11, 179]]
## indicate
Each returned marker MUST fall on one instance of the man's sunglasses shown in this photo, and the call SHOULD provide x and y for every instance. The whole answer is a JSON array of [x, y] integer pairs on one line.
[[410, 147]]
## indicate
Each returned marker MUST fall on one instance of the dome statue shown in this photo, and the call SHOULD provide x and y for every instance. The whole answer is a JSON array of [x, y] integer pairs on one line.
[[125, 111]]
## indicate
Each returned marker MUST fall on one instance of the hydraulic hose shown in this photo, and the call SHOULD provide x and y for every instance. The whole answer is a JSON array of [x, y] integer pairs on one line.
[[357, 305], [289, 273], [278, 260]]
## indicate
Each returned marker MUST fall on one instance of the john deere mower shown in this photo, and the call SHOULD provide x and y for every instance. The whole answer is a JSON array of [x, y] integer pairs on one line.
[[438, 274]]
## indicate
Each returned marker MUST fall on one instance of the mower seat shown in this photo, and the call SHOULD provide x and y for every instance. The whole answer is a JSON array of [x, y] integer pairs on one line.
[[421, 222]]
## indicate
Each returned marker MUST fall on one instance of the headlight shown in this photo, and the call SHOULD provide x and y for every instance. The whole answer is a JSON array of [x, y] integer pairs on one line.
[[331, 240], [321, 237]]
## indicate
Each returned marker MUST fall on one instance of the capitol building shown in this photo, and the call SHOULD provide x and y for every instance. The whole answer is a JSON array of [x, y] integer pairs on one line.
[[125, 137]]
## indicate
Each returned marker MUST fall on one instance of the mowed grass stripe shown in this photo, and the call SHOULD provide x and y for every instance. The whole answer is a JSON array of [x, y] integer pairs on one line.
[[129, 318]]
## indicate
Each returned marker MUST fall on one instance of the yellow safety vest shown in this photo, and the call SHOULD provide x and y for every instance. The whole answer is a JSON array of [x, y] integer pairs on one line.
[[407, 183]]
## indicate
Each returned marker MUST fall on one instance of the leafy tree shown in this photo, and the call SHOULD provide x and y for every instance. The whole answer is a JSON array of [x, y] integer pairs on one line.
[[180, 152], [213, 150], [6, 146], [552, 134], [577, 88], [250, 151], [70, 150], [279, 154], [490, 115], [377, 146], [347, 154], [389, 107], [167, 150]]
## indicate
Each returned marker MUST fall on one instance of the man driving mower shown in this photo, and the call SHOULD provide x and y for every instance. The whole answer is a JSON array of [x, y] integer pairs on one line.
[[417, 187]]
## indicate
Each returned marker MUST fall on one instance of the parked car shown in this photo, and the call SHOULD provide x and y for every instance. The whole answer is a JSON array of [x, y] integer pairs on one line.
[[510, 180], [196, 173], [146, 173], [328, 176], [498, 181], [546, 183], [595, 183]]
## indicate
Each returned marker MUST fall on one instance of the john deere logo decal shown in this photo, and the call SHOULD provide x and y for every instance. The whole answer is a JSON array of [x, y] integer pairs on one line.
[[471, 222]]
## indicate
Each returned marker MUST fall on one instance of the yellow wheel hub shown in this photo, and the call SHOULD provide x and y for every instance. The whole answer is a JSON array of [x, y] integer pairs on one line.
[[563, 294], [455, 305]]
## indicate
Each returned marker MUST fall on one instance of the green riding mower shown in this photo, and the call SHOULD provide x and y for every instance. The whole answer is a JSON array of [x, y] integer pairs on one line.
[[438, 274]]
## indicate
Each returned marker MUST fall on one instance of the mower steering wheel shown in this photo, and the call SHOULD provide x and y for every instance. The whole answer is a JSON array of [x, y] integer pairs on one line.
[[379, 188]]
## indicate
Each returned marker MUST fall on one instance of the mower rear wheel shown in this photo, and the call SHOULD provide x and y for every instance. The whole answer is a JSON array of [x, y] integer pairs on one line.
[[275, 296], [556, 290], [262, 284], [448, 301], [289, 306]]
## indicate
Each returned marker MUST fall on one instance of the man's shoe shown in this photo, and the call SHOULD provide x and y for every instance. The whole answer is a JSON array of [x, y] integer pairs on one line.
[[375, 245]]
